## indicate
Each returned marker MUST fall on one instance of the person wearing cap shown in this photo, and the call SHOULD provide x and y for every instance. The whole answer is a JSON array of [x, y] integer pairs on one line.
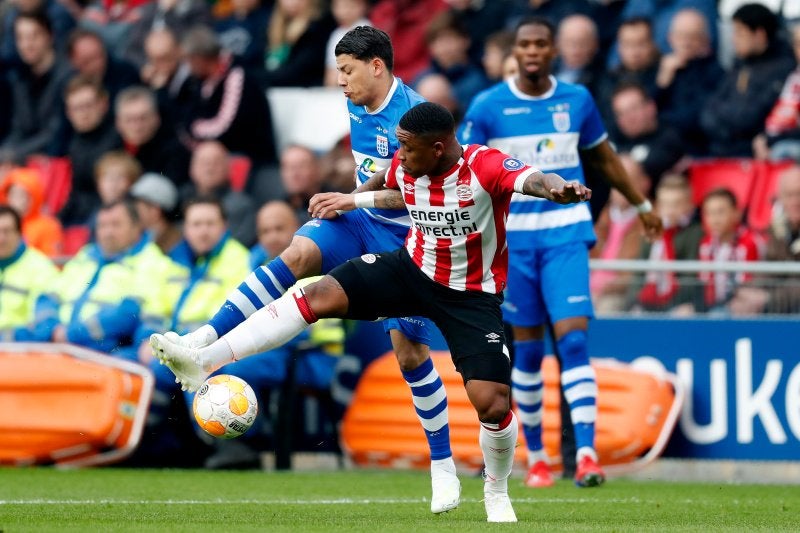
[[156, 200]]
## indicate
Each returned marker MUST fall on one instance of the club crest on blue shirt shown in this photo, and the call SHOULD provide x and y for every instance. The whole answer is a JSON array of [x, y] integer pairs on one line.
[[512, 164], [382, 145], [561, 121]]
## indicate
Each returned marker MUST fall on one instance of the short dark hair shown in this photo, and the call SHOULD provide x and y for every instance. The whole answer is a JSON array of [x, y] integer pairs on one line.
[[40, 17], [205, 199], [79, 82], [631, 85], [129, 206], [366, 43], [637, 21], [723, 193], [537, 21], [756, 16], [428, 118], [10, 211]]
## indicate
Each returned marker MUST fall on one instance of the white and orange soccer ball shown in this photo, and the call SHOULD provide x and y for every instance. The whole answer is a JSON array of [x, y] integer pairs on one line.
[[225, 406]]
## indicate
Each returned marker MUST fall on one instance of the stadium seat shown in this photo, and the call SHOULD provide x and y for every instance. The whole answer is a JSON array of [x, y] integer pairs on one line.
[[239, 171], [738, 175], [759, 212], [57, 174], [74, 238], [637, 412]]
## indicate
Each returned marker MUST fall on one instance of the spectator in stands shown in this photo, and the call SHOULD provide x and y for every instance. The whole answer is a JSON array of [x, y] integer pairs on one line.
[[244, 34], [348, 14], [735, 113], [276, 223], [301, 176], [656, 147], [156, 200], [448, 43], [88, 56], [28, 312], [23, 189], [481, 19], [495, 50], [87, 106], [772, 293], [38, 125], [168, 75], [103, 288], [337, 164], [5, 103], [114, 174], [113, 20], [638, 62], [60, 18], [297, 35], [405, 21], [578, 47], [553, 10], [177, 16], [659, 290], [618, 237], [687, 76], [662, 12], [147, 138], [210, 175], [436, 88], [725, 239], [226, 104], [781, 137]]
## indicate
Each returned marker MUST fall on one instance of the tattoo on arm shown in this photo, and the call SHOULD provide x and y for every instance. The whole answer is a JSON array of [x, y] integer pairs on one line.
[[534, 186], [375, 183], [389, 199]]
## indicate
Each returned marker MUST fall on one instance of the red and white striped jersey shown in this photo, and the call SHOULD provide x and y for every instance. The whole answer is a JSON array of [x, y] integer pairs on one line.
[[458, 220]]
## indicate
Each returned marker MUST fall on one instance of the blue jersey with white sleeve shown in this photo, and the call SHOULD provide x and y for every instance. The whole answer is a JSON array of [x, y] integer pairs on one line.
[[374, 140], [546, 132]]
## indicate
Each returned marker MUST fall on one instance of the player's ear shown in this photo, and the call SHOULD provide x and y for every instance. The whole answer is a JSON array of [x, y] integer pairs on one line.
[[438, 148], [377, 66]]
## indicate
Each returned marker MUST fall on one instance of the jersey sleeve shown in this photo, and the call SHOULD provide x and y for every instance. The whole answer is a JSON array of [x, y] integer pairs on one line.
[[473, 129], [391, 173], [500, 173], [593, 132]]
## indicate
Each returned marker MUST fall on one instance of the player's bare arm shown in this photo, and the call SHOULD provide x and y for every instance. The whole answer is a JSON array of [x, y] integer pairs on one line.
[[554, 187], [603, 160]]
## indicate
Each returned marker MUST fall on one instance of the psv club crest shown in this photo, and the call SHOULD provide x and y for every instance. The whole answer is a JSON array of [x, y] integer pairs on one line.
[[382, 145]]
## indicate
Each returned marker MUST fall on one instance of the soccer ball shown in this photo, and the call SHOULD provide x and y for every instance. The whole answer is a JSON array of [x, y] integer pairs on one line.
[[225, 406]]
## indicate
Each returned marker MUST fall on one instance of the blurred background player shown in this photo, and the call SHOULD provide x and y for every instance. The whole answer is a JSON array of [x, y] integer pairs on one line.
[[552, 127], [376, 101]]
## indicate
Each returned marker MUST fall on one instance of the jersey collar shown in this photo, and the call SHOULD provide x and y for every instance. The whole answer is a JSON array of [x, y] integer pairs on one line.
[[512, 85], [386, 100]]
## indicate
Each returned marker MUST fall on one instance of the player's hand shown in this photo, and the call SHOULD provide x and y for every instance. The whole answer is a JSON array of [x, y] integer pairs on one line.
[[571, 192], [326, 205], [653, 228]]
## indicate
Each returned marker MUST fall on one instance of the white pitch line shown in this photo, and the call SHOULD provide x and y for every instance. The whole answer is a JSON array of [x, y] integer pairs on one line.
[[341, 501]]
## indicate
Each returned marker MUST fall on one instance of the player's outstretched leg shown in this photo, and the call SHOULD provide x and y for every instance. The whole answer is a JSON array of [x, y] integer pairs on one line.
[[430, 402], [498, 442], [580, 390], [527, 389], [179, 359]]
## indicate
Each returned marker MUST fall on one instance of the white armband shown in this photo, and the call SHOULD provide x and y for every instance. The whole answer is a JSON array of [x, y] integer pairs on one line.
[[519, 183], [644, 207], [364, 199]]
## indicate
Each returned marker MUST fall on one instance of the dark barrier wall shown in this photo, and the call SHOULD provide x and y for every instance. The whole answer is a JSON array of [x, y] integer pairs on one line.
[[742, 379]]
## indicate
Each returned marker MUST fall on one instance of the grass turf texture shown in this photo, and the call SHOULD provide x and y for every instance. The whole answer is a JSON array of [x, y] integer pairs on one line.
[[43, 499]]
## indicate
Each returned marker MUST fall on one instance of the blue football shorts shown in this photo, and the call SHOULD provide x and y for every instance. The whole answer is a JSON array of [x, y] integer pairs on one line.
[[354, 234], [547, 285]]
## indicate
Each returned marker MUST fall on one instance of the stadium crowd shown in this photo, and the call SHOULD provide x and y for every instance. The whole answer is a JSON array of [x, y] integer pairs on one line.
[[138, 153]]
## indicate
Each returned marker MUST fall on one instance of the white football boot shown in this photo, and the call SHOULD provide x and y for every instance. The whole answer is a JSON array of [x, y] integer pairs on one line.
[[446, 490], [180, 359]]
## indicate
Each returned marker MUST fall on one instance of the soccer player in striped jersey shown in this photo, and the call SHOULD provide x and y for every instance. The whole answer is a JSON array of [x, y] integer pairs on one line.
[[376, 100], [452, 269], [551, 125]]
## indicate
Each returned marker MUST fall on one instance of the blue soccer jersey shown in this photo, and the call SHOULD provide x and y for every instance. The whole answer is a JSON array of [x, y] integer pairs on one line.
[[374, 140], [545, 132]]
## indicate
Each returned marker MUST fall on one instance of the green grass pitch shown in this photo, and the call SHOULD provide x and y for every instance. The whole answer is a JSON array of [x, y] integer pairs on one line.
[[111, 499]]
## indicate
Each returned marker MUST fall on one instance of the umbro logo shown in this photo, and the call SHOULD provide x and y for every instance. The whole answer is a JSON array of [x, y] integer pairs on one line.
[[493, 337]]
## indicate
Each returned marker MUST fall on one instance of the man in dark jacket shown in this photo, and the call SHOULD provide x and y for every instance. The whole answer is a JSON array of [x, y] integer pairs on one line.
[[87, 109], [735, 113], [89, 57]]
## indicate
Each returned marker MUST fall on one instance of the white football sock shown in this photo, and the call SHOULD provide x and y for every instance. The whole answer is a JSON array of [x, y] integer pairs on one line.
[[498, 445], [267, 328]]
